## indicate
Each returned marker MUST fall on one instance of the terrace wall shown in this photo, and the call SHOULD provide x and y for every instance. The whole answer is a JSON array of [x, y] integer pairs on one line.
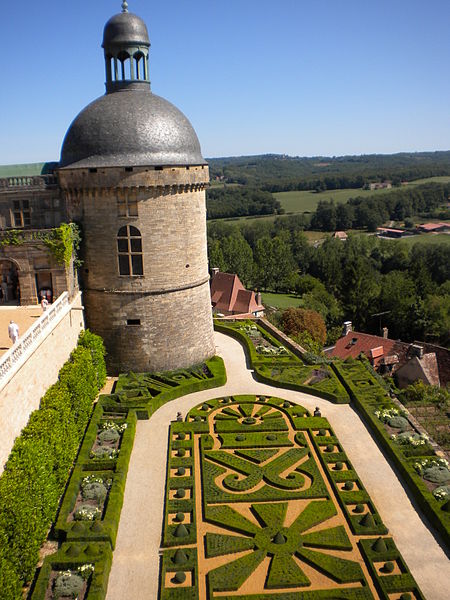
[[34, 375]]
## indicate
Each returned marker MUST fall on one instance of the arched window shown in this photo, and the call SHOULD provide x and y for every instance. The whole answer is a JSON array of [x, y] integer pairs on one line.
[[129, 248]]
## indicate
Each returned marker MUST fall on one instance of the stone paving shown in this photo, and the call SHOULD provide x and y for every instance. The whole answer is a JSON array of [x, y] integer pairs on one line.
[[24, 316], [135, 568]]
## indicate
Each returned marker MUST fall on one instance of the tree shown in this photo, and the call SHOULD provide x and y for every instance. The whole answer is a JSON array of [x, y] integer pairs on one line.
[[274, 263], [238, 257], [295, 321]]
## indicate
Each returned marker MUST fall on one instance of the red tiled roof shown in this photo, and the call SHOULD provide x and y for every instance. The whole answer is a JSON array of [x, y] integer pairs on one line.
[[373, 346], [432, 226], [228, 295]]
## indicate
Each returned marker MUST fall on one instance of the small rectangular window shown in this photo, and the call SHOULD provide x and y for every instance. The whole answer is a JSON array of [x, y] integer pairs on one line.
[[132, 208], [128, 169], [133, 321], [92, 170]]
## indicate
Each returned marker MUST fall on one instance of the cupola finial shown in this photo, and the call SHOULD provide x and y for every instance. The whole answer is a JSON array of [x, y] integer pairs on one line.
[[124, 6]]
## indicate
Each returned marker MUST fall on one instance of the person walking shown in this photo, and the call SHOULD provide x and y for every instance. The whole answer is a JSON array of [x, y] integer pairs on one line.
[[13, 331], [44, 303]]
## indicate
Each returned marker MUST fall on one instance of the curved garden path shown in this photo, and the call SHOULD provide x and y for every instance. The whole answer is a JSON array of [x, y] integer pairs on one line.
[[135, 567]]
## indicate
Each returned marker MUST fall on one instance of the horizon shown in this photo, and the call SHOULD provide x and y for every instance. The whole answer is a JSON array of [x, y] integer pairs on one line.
[[301, 80]]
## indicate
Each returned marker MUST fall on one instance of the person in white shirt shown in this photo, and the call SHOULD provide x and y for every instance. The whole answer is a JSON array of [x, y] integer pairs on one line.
[[13, 331], [44, 303]]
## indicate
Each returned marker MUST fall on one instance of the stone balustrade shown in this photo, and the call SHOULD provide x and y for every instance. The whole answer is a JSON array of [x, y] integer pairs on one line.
[[37, 182], [14, 358]]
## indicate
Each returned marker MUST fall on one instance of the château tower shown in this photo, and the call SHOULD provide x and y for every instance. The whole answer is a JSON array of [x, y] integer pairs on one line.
[[132, 172]]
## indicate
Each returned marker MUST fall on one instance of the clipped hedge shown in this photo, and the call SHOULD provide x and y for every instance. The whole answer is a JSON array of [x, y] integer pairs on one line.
[[41, 458], [71, 556], [149, 391], [367, 399], [262, 366], [103, 529]]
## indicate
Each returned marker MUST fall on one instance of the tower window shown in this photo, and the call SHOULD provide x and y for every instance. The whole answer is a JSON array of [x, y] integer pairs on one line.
[[127, 207], [129, 249]]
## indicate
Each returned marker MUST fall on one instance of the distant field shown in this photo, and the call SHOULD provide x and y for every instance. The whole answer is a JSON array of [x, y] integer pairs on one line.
[[427, 238], [280, 300]]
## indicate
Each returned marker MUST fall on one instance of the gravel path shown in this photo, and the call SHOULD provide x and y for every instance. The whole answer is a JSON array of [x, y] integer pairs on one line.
[[135, 567]]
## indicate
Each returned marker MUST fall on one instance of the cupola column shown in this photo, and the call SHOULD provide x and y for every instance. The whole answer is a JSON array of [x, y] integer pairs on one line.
[[125, 40]]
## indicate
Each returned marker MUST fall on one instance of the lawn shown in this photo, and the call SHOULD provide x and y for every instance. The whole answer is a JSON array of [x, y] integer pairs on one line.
[[280, 300], [428, 238]]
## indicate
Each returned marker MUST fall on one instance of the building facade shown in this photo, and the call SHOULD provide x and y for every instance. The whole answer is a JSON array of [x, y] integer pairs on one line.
[[132, 174]]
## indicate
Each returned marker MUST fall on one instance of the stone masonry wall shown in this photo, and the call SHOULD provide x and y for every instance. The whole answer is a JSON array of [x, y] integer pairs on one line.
[[23, 392], [169, 305]]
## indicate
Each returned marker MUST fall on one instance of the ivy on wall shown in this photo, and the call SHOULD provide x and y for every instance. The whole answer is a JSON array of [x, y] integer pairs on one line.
[[63, 242]]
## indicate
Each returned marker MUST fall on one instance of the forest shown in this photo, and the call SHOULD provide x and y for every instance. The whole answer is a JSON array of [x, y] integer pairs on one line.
[[281, 173], [353, 280]]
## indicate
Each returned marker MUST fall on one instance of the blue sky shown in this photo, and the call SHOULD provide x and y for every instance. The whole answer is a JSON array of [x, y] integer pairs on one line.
[[317, 77]]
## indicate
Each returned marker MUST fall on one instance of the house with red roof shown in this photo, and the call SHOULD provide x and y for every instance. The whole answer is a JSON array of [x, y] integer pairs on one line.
[[229, 296], [409, 362], [433, 227]]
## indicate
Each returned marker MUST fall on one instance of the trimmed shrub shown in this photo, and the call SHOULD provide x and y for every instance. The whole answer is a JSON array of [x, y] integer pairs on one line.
[[398, 423], [388, 567], [437, 474], [37, 469]]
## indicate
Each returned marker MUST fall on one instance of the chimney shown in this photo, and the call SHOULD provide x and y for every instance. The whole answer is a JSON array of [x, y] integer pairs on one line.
[[214, 271], [385, 332], [347, 327], [418, 350], [258, 298]]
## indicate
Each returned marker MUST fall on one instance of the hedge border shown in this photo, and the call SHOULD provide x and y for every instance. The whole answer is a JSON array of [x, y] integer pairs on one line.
[[438, 518], [257, 362], [72, 555]]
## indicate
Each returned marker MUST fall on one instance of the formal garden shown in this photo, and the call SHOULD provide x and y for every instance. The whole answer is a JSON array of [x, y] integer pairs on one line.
[[261, 499], [263, 502], [275, 364]]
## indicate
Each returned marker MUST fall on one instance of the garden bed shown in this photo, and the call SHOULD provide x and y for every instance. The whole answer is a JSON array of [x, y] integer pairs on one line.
[[273, 501]]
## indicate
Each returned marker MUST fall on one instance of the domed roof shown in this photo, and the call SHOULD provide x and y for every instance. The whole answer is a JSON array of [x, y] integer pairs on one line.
[[131, 127], [125, 28]]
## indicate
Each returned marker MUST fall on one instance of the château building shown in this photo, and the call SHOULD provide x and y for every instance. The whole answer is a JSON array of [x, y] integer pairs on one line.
[[132, 175]]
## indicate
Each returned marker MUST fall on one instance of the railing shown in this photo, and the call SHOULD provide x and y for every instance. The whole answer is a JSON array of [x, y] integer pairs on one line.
[[19, 236], [13, 359], [36, 181]]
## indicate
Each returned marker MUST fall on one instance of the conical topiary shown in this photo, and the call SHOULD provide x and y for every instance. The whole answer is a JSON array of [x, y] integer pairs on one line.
[[180, 577], [181, 531], [279, 538], [91, 550], [367, 520], [96, 527], [180, 557], [379, 545], [181, 471], [180, 493], [405, 596], [348, 485], [181, 435], [179, 517], [322, 432], [73, 550], [359, 508]]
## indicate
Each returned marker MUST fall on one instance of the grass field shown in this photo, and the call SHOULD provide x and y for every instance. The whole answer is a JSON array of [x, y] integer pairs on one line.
[[427, 238], [280, 300], [300, 202]]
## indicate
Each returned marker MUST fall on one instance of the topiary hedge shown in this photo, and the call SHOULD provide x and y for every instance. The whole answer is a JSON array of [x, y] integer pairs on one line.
[[72, 556], [262, 365], [368, 396], [37, 469]]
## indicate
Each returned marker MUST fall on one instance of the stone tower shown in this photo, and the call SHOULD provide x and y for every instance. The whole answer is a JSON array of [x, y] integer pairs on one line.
[[132, 172]]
